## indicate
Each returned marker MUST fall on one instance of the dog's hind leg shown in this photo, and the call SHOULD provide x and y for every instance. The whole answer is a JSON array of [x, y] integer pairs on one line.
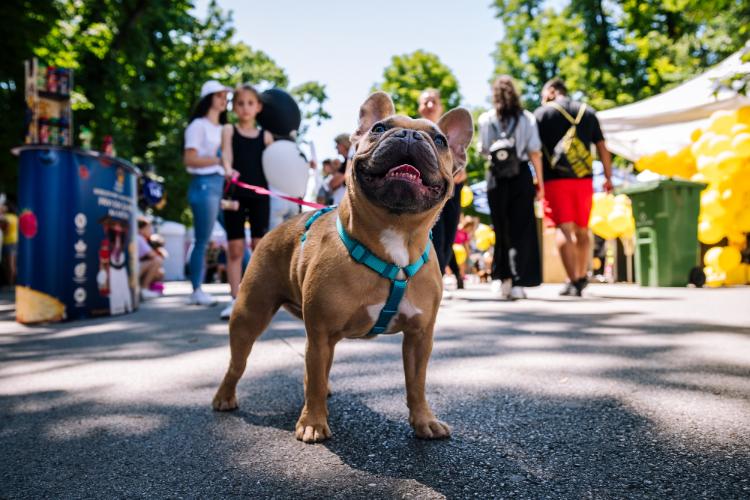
[[253, 311]]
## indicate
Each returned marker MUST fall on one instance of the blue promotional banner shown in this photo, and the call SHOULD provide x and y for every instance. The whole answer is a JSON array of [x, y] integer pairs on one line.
[[77, 235]]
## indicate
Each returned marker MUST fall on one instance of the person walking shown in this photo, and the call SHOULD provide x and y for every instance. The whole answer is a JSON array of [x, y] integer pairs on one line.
[[242, 154], [444, 230], [201, 158], [509, 138], [568, 129]]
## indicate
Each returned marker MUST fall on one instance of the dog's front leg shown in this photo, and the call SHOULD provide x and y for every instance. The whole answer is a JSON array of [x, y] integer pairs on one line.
[[312, 425], [417, 347]]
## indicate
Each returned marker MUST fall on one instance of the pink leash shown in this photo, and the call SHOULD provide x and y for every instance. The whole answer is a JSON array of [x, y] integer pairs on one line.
[[261, 190]]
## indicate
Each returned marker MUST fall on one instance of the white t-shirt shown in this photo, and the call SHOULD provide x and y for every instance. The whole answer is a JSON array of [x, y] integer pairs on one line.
[[205, 138]]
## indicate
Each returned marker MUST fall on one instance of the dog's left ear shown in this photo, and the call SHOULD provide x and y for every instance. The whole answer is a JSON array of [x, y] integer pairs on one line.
[[376, 107], [458, 127]]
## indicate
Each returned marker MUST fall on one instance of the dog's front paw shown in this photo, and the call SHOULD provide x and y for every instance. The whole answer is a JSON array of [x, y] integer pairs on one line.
[[312, 430], [225, 401], [430, 428]]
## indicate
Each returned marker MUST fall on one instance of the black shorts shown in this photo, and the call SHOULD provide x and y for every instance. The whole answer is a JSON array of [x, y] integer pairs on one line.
[[256, 210]]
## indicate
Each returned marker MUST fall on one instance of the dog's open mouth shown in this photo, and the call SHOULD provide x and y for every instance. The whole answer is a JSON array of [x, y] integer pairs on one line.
[[405, 172]]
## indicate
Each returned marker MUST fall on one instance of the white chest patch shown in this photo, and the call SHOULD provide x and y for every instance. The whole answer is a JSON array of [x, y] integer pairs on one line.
[[405, 307], [395, 246]]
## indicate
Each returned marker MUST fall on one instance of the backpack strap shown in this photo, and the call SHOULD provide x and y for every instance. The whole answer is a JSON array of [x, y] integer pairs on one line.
[[564, 112]]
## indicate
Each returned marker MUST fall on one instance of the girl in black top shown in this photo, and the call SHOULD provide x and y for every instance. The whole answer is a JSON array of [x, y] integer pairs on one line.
[[241, 154]]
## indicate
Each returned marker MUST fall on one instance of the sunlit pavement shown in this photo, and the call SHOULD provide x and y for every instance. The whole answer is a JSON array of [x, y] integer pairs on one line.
[[630, 392]]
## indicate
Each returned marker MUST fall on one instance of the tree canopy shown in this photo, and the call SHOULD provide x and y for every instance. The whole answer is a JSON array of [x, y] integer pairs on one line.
[[409, 74], [615, 53], [138, 70]]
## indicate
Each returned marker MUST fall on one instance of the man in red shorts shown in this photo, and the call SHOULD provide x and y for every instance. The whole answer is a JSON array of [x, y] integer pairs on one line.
[[567, 129]]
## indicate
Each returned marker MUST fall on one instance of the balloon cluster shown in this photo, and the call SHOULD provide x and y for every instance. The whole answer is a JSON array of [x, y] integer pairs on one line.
[[612, 216], [719, 155], [724, 267]]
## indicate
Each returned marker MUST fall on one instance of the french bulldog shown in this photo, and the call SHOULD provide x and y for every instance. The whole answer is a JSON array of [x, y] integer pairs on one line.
[[399, 178]]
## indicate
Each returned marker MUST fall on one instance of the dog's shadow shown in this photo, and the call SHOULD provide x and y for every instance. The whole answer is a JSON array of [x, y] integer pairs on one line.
[[379, 444]]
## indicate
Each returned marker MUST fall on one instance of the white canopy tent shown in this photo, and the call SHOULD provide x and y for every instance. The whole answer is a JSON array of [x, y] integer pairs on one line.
[[665, 121]]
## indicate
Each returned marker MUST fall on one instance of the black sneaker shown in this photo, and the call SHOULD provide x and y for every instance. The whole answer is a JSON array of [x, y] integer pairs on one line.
[[582, 283], [570, 290]]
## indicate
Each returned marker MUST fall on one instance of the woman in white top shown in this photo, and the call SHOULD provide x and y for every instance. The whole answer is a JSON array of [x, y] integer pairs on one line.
[[203, 162], [508, 136]]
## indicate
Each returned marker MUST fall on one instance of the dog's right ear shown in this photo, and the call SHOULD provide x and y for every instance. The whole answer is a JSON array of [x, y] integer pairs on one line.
[[376, 107]]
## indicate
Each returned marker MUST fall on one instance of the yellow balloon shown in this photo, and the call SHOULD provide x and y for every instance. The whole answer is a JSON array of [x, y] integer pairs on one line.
[[618, 221], [729, 162], [629, 230], [714, 277], [711, 204], [696, 134], [743, 115], [729, 258], [698, 177], [741, 145], [700, 147], [708, 166], [736, 276], [711, 258], [467, 196], [719, 144], [722, 121], [484, 243], [742, 222], [740, 128], [710, 232], [460, 252], [600, 226]]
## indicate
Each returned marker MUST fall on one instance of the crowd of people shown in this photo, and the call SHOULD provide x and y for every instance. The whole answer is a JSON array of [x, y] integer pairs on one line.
[[541, 157]]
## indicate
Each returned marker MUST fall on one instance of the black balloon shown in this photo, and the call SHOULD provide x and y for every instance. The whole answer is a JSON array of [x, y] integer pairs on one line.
[[280, 114]]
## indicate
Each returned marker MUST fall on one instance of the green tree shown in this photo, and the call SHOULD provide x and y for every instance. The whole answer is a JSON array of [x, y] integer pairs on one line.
[[409, 74], [616, 52], [138, 70], [25, 23]]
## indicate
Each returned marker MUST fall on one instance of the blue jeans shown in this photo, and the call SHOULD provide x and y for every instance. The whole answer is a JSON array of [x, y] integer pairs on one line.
[[204, 196]]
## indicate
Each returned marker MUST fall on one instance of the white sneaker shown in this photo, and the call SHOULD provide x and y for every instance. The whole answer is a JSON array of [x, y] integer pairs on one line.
[[147, 294], [517, 292], [502, 288], [201, 298], [226, 313]]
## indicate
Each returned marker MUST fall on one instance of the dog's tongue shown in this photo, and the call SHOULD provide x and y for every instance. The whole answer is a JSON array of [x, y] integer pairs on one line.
[[405, 169]]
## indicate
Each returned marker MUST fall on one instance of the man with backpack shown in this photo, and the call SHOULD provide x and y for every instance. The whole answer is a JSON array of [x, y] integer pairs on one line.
[[567, 129]]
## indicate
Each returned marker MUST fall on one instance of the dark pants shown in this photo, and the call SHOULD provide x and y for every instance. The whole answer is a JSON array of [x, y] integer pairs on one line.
[[444, 231], [516, 241]]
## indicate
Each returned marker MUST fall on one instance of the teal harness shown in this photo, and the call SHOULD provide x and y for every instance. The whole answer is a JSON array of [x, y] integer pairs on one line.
[[362, 255]]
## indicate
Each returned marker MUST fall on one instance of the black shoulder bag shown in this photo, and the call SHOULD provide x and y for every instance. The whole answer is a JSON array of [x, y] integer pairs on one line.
[[503, 157]]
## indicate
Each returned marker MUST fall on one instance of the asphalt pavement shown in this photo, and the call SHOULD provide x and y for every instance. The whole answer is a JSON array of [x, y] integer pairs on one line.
[[628, 393]]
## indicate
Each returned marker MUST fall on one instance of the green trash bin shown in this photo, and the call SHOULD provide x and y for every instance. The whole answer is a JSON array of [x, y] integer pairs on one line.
[[666, 231]]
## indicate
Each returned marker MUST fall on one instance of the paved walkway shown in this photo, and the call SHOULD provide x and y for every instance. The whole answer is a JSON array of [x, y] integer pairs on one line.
[[630, 392]]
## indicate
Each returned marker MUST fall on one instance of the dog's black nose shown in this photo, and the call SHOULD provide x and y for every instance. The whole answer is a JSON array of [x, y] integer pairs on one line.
[[408, 134]]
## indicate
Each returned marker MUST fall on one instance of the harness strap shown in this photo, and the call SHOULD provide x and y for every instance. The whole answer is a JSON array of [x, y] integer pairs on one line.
[[363, 256], [312, 219]]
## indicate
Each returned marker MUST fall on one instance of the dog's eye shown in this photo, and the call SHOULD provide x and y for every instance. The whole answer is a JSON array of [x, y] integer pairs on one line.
[[441, 141], [378, 128]]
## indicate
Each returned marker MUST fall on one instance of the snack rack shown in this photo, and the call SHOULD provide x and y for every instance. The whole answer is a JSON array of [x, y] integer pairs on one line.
[[49, 116]]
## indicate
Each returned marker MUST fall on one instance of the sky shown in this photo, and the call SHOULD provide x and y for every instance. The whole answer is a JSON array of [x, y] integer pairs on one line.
[[345, 45]]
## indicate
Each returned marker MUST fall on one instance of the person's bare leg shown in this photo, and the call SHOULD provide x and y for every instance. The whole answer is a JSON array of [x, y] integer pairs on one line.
[[150, 271], [583, 251], [566, 245], [235, 252]]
